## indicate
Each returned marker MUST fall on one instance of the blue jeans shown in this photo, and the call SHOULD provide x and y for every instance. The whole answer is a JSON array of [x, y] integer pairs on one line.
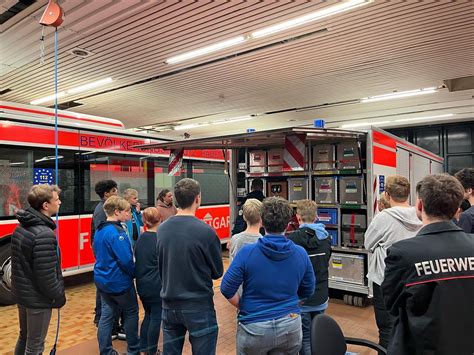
[[111, 306], [274, 337], [151, 325], [306, 319], [202, 327]]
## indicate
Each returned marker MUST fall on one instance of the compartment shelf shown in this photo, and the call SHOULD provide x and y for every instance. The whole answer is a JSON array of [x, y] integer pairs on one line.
[[350, 250], [347, 286]]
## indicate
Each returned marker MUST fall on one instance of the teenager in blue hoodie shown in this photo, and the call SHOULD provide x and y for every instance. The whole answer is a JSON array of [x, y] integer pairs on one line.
[[135, 223], [275, 274], [314, 238], [114, 271]]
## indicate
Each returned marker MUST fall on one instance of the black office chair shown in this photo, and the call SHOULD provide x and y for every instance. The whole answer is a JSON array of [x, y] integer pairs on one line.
[[327, 338]]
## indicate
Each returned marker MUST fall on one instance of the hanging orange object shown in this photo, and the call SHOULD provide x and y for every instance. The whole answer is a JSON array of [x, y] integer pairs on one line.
[[52, 15]]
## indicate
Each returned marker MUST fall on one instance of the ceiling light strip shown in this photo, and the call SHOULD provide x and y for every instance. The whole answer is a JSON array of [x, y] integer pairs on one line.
[[313, 16], [398, 95], [205, 50], [73, 91]]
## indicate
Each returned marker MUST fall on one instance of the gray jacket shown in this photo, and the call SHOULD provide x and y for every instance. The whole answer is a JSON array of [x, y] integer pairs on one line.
[[388, 227]]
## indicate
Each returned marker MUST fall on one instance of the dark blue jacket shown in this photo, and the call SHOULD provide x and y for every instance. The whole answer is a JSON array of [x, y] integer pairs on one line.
[[146, 268], [114, 267], [275, 273]]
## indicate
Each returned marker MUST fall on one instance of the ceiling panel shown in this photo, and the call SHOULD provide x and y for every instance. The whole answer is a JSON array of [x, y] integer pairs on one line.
[[306, 72]]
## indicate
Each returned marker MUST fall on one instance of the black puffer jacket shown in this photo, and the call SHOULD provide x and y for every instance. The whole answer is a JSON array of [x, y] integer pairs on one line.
[[37, 280]]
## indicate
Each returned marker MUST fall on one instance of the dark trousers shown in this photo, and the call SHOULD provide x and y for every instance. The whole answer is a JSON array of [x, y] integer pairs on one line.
[[384, 320], [111, 306], [34, 325], [306, 319], [202, 327], [151, 325]]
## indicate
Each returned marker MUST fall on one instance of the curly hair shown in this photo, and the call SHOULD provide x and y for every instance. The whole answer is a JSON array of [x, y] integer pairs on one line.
[[466, 178], [276, 214]]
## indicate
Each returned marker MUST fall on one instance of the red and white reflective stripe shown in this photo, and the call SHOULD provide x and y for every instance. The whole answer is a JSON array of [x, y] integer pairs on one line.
[[293, 155], [374, 190], [176, 162]]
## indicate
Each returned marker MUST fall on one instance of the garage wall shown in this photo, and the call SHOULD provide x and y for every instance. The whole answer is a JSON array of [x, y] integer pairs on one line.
[[454, 142]]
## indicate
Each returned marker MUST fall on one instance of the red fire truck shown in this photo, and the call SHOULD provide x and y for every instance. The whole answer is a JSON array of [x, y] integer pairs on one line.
[[91, 149]]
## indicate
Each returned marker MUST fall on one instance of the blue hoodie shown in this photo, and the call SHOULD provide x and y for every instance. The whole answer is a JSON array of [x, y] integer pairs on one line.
[[275, 273], [114, 266]]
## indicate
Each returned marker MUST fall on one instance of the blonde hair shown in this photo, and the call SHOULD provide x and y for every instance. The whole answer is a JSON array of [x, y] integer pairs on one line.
[[252, 211], [115, 203], [398, 187], [151, 217], [40, 194], [307, 210], [383, 203], [129, 193]]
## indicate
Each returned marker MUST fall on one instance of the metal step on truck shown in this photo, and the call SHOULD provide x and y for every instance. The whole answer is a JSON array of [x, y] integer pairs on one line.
[[343, 171]]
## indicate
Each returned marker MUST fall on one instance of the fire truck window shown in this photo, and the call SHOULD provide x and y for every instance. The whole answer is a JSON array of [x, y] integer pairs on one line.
[[127, 171], [20, 168], [214, 183], [163, 180], [16, 177]]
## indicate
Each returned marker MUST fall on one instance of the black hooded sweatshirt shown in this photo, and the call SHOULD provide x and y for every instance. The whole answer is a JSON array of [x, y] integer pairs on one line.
[[37, 280], [319, 252]]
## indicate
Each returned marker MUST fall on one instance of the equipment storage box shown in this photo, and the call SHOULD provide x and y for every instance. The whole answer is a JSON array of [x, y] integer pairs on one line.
[[325, 190], [353, 228], [277, 189], [347, 267], [324, 157], [351, 190], [333, 234], [348, 157], [297, 189], [275, 160], [327, 216], [258, 161]]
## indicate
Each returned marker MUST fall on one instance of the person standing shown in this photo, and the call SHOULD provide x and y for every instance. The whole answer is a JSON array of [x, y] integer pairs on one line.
[[37, 281], [257, 193], [429, 279], [389, 226], [466, 219], [275, 274], [134, 224], [148, 282], [189, 258], [114, 271], [165, 205], [104, 189], [314, 238], [252, 214]]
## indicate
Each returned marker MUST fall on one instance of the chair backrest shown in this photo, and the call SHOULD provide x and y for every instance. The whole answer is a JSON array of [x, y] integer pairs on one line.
[[326, 337]]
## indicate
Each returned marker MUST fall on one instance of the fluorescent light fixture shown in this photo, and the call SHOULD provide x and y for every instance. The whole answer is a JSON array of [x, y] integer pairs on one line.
[[205, 50], [235, 119], [189, 126], [313, 16], [424, 118], [364, 124], [17, 163], [89, 86], [398, 95], [48, 98], [73, 91]]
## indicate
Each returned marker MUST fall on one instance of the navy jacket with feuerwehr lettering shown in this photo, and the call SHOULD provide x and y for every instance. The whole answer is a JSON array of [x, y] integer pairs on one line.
[[429, 288]]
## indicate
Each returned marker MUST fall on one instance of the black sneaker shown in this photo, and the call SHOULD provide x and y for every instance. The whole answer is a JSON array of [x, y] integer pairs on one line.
[[114, 334]]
